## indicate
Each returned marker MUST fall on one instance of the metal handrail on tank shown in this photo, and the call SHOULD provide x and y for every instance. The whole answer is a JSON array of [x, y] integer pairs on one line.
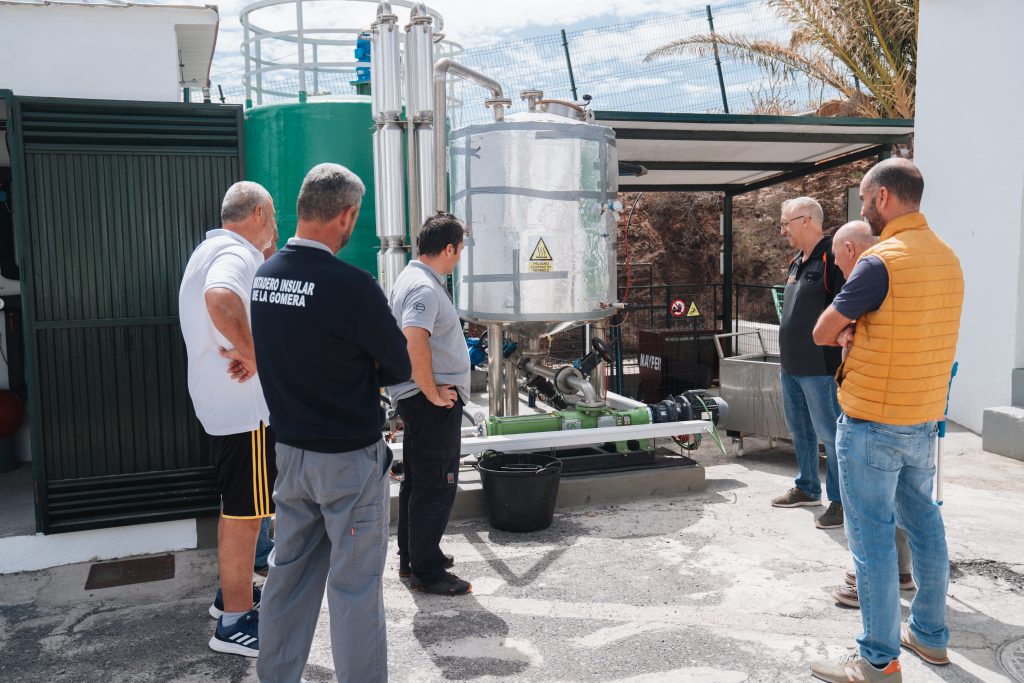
[[255, 37]]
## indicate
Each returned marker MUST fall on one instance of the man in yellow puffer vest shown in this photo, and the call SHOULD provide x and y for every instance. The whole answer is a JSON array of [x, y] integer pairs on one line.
[[905, 296]]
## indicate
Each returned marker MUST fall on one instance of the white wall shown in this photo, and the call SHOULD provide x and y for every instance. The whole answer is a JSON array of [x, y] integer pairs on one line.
[[970, 147], [93, 51]]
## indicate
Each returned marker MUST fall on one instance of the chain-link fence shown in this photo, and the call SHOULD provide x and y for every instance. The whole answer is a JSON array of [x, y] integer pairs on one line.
[[608, 64]]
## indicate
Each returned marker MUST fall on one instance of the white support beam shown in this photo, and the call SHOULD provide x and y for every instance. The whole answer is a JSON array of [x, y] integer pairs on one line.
[[573, 437]]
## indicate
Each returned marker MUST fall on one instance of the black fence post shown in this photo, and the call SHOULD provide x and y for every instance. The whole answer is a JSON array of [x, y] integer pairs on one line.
[[718, 62], [568, 63], [727, 283]]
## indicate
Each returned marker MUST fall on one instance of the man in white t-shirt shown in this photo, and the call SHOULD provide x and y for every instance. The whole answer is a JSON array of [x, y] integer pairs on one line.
[[213, 305]]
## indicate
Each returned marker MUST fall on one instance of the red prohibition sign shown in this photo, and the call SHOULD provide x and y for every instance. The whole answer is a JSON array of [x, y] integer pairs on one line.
[[678, 308]]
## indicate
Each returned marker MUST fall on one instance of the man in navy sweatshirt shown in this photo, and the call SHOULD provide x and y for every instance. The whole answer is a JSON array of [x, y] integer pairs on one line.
[[326, 343]]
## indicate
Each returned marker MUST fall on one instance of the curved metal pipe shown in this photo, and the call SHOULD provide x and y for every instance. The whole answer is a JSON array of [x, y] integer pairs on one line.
[[578, 384], [584, 387], [442, 68]]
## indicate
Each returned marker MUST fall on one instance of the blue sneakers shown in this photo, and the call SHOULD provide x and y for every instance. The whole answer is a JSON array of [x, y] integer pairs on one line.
[[241, 638], [217, 608]]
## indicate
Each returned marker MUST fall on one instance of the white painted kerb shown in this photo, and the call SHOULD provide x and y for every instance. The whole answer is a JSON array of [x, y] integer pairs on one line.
[[29, 553]]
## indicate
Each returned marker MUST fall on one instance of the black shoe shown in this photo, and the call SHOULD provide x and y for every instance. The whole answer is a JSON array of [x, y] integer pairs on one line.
[[448, 584], [405, 572]]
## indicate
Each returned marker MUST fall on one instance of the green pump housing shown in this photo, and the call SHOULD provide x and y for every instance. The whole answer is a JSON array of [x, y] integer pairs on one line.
[[284, 141], [581, 418]]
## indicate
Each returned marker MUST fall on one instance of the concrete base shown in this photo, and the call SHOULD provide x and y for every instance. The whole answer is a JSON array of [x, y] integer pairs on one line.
[[1017, 387], [577, 491], [1003, 431]]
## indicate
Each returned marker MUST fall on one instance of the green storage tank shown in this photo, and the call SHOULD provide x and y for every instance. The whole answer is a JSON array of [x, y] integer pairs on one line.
[[284, 141]]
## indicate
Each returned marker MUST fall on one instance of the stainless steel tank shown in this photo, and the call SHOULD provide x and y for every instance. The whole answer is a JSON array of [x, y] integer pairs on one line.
[[537, 192]]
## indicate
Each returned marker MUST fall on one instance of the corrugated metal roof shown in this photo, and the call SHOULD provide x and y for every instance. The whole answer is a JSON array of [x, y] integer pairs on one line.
[[734, 153]]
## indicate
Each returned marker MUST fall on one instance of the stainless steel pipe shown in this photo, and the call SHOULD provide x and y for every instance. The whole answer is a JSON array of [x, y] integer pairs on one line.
[[441, 70], [387, 61], [495, 347], [510, 394], [599, 375]]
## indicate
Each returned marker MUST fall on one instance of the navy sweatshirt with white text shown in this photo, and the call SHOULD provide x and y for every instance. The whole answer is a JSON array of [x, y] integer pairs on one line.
[[326, 342]]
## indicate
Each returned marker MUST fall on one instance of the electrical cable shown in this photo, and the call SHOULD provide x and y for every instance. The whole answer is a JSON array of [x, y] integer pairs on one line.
[[711, 430]]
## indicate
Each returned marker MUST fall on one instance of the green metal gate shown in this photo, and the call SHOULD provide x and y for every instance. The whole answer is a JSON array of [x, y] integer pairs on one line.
[[111, 198]]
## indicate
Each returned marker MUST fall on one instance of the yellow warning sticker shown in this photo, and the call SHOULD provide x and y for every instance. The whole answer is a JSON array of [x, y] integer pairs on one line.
[[693, 312], [539, 266], [540, 252]]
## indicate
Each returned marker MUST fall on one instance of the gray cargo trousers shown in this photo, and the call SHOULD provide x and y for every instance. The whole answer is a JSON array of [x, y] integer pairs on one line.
[[332, 524]]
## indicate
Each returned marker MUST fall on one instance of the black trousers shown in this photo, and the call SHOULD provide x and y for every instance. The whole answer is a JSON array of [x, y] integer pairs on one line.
[[431, 474]]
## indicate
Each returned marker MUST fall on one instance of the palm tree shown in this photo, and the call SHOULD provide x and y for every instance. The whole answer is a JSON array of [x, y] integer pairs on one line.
[[846, 44]]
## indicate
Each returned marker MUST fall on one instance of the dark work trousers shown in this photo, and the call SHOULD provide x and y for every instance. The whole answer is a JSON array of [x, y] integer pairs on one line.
[[430, 453]]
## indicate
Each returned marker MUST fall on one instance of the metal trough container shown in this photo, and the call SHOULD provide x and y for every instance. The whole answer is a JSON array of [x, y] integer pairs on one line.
[[751, 385]]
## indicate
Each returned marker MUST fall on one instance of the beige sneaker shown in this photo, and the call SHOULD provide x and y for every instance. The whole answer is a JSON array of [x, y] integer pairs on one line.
[[906, 580], [847, 595], [795, 498], [932, 655], [855, 669]]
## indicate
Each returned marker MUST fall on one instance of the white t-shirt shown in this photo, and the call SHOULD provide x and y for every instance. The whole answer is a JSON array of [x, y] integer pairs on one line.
[[223, 405]]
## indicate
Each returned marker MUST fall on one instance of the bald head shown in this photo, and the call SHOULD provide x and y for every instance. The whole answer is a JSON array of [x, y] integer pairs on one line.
[[900, 176], [849, 243], [890, 189]]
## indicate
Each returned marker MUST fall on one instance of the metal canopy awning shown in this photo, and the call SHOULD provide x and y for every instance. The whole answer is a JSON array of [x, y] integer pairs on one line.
[[735, 154]]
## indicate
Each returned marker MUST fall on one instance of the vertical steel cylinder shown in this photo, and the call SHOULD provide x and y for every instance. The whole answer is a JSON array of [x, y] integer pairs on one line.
[[393, 261], [511, 390], [391, 210], [388, 73], [377, 180], [419, 57], [599, 375], [426, 160], [495, 347], [374, 68]]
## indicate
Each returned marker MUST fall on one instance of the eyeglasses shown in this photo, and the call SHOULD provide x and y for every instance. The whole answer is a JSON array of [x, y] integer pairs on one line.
[[785, 224]]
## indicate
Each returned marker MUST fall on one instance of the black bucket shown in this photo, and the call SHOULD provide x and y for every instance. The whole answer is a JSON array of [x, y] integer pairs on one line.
[[520, 489]]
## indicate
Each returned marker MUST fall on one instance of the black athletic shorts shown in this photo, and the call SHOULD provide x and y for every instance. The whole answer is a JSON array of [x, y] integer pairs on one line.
[[246, 470]]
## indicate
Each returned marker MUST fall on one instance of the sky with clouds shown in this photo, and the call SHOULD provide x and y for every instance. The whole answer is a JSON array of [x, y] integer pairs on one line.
[[468, 22], [518, 43]]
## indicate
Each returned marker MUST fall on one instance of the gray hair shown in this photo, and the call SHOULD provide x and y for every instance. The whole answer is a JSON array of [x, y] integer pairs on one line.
[[857, 233], [807, 205], [241, 200], [327, 190]]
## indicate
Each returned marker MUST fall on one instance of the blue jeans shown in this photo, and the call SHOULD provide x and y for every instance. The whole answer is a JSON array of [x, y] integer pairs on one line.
[[886, 473], [811, 409], [264, 545]]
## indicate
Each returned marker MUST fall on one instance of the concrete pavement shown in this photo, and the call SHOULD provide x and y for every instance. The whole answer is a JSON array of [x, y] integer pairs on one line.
[[715, 586]]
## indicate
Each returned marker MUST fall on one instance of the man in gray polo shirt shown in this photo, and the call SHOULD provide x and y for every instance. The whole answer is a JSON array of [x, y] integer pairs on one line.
[[430, 406]]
